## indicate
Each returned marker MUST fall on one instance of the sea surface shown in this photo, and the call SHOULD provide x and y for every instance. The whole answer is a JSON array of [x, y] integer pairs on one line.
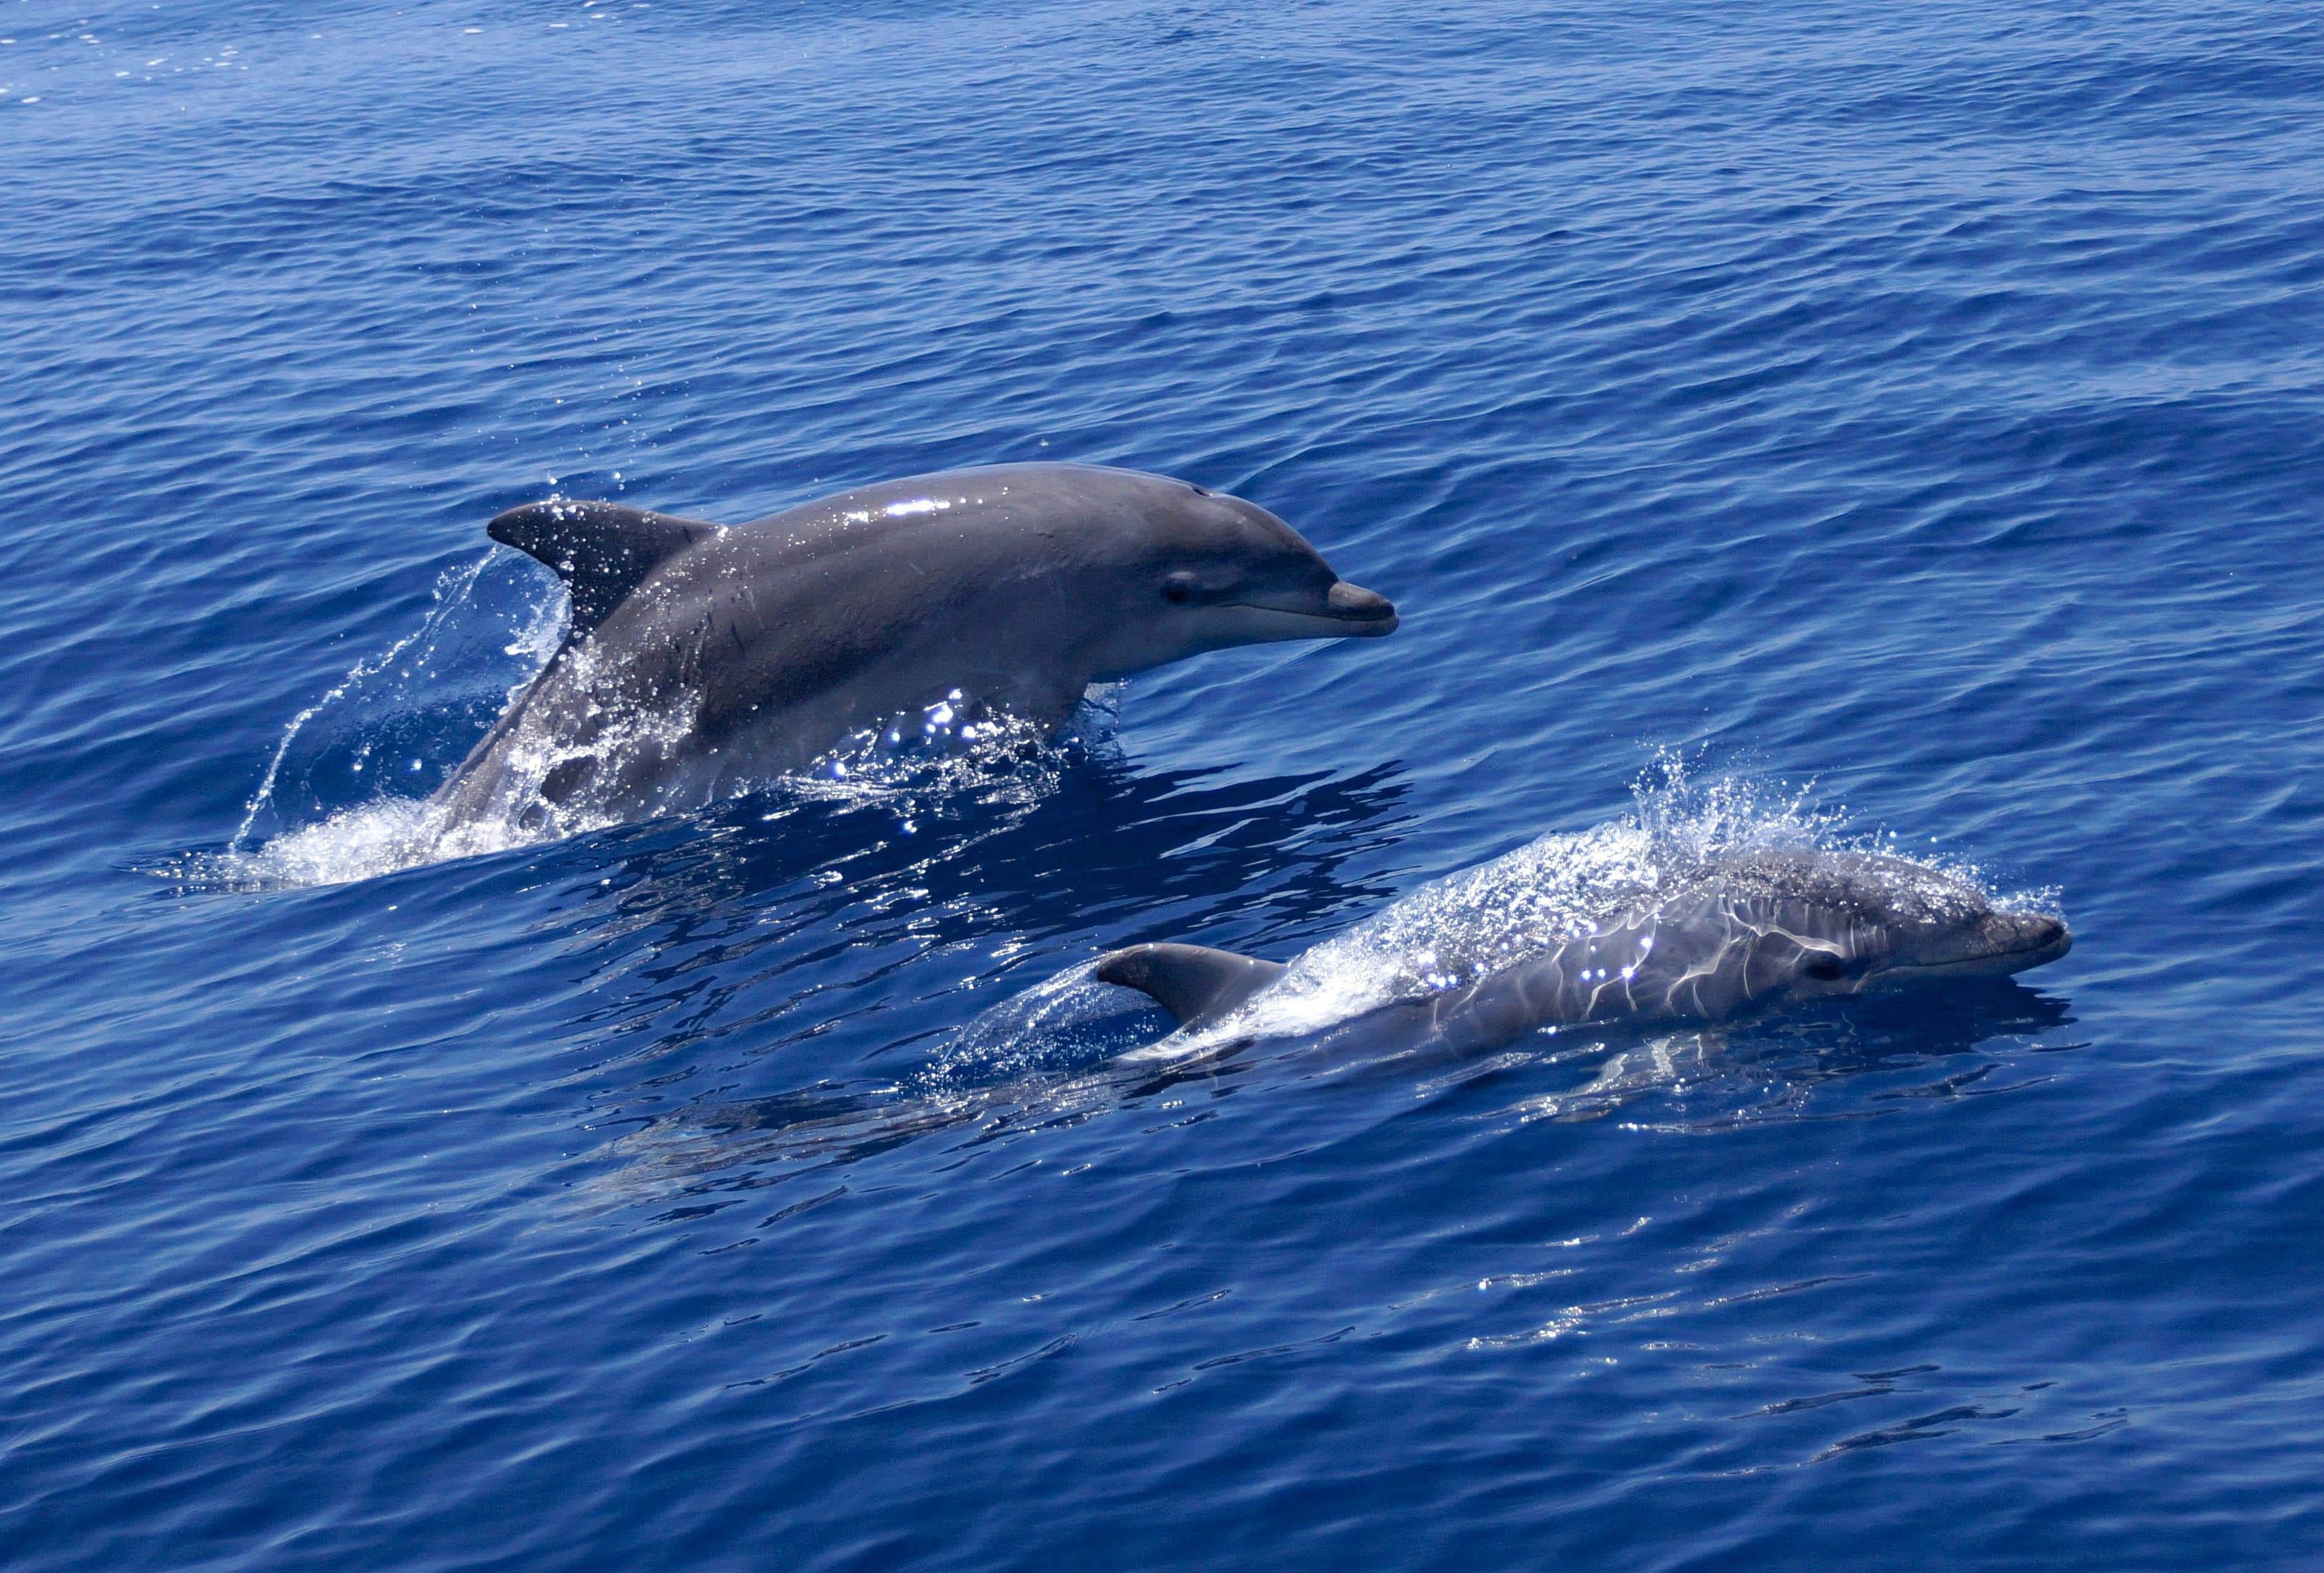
[[1901, 422]]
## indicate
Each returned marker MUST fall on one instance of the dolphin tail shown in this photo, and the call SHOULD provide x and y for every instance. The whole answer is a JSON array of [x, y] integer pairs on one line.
[[602, 550], [1194, 983]]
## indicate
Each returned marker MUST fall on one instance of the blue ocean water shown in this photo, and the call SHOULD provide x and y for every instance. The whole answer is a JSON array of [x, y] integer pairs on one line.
[[1913, 414]]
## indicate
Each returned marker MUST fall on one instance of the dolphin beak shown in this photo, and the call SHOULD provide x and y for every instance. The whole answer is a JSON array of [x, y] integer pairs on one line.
[[2006, 942], [1368, 615], [1347, 612], [2040, 939]]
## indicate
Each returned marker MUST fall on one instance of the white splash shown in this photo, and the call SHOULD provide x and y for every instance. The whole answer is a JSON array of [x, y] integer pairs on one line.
[[361, 843], [930, 762], [1469, 925]]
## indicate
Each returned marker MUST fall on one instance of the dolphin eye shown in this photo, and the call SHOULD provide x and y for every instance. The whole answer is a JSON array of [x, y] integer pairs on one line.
[[1179, 589], [1824, 967]]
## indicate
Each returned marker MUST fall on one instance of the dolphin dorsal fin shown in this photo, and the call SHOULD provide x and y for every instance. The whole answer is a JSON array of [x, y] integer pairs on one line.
[[1194, 983], [602, 550]]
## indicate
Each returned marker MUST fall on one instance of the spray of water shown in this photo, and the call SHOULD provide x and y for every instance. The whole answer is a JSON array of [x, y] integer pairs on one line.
[[1469, 926], [453, 589], [920, 765]]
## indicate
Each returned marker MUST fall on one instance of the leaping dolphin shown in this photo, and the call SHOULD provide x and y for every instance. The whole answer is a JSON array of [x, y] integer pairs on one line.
[[1479, 961], [702, 657]]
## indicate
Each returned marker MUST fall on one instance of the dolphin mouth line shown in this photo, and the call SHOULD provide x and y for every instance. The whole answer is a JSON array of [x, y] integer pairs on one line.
[[1334, 624], [1362, 626]]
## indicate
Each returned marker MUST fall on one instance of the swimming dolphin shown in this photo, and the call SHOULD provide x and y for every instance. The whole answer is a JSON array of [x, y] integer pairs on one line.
[[1469, 969], [702, 656]]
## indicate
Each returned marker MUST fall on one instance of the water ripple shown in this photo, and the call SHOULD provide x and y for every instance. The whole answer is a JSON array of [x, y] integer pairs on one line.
[[1924, 403]]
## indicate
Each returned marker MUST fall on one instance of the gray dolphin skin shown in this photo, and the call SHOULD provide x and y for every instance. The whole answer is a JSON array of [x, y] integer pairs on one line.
[[702, 657], [1738, 931]]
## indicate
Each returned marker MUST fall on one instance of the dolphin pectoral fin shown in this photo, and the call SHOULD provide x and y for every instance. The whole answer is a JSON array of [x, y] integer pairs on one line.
[[602, 550], [1193, 983]]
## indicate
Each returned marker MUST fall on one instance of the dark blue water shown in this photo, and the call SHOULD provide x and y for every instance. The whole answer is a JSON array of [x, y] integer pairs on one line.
[[1921, 410]]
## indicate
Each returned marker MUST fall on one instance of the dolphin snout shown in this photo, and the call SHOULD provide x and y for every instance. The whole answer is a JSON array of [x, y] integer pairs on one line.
[[1996, 945], [2049, 935], [1355, 604], [2033, 939]]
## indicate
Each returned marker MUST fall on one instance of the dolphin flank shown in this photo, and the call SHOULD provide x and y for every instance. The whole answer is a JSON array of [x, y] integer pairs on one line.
[[1461, 965], [704, 658]]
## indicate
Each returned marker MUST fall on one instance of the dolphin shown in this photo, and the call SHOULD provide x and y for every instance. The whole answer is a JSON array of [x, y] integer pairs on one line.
[[702, 658], [1476, 962]]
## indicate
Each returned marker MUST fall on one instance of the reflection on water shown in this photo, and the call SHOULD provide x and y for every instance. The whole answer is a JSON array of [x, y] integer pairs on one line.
[[1100, 843], [1779, 1067]]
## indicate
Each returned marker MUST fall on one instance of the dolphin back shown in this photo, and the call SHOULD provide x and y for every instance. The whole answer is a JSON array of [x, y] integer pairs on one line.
[[1195, 983]]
